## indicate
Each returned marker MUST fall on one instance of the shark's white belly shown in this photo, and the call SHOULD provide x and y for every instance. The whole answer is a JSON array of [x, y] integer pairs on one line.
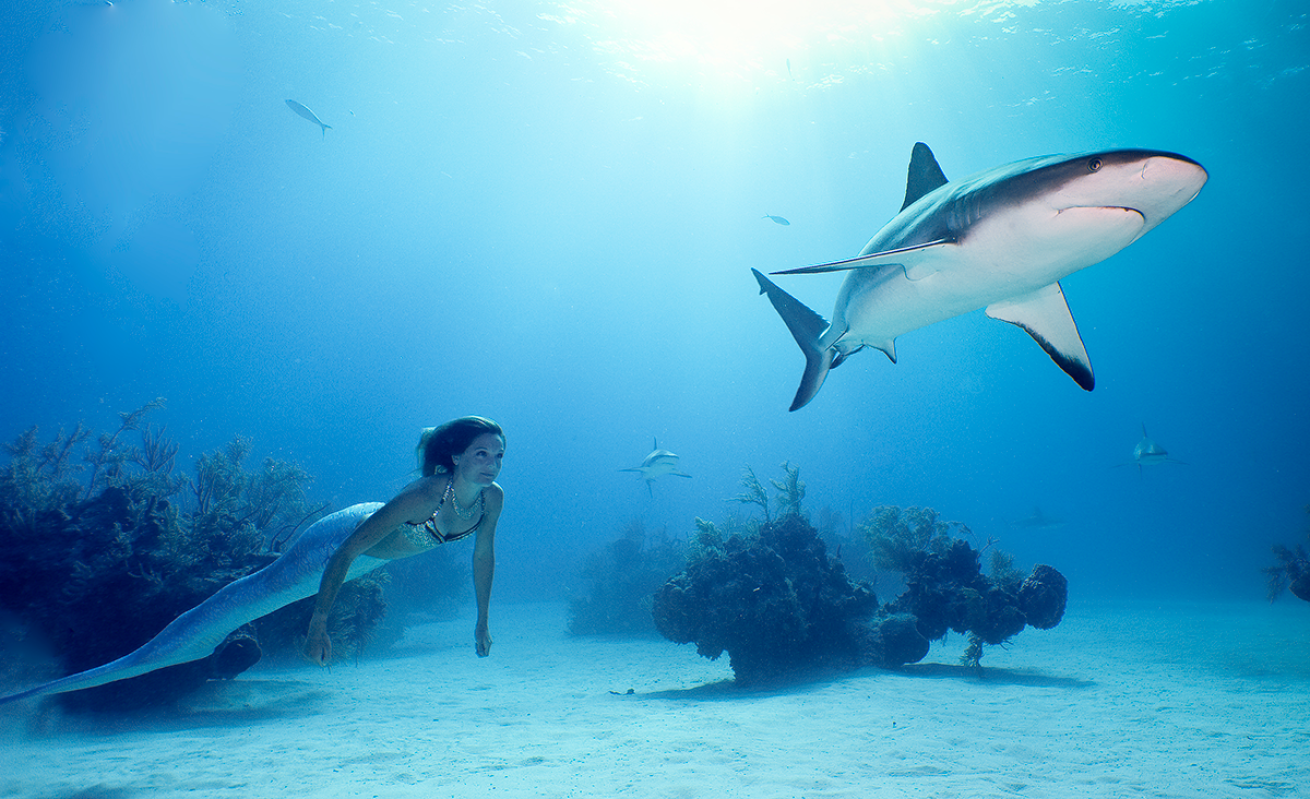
[[1007, 255]]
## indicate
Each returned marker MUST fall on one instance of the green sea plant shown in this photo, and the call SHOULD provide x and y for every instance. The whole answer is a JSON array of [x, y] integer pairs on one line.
[[973, 652], [1292, 572], [1003, 572], [707, 542], [753, 492], [621, 579], [103, 543], [110, 461], [897, 538], [790, 490]]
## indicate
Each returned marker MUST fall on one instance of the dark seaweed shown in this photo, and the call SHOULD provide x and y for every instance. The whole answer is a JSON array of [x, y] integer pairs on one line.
[[621, 579], [102, 545], [1292, 572]]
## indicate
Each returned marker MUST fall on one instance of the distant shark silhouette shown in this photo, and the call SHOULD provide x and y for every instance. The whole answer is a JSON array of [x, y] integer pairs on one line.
[[1039, 521], [310, 115], [1149, 453], [999, 240], [657, 464], [777, 220]]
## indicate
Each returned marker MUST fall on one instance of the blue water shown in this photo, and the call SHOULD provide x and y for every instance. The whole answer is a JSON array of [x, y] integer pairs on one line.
[[547, 214]]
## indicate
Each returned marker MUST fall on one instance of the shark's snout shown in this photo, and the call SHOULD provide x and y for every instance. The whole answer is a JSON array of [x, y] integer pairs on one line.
[[1167, 183], [1177, 172]]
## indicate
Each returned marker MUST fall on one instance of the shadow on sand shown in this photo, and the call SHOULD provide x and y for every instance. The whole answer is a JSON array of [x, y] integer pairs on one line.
[[727, 690], [217, 704]]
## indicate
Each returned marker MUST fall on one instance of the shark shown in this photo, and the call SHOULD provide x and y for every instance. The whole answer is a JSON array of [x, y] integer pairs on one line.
[[1000, 240], [1039, 521], [1149, 453], [657, 464], [310, 115]]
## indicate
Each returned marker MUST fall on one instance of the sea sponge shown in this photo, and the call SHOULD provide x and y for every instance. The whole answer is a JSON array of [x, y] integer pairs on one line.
[[774, 601], [1042, 597]]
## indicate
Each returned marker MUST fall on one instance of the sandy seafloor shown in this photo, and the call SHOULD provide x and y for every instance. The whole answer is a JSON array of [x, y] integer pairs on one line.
[[1122, 699]]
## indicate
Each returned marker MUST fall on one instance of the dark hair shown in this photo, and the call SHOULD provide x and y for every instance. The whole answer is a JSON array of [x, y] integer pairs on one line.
[[438, 445]]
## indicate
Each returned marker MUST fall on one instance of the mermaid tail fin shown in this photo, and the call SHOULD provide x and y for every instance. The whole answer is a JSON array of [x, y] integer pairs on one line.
[[196, 633]]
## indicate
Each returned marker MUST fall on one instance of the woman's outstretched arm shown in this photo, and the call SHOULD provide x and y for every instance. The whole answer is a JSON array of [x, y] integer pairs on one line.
[[484, 566], [414, 501]]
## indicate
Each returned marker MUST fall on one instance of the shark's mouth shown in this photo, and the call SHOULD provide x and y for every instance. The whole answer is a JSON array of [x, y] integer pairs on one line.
[[1115, 208], [1104, 208], [1140, 214], [1092, 231]]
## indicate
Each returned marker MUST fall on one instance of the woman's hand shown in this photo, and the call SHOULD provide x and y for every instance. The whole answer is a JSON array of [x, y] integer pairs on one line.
[[483, 639], [318, 646]]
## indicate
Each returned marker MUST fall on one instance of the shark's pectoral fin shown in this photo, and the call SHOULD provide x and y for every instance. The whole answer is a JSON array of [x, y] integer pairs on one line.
[[1045, 316], [917, 260], [806, 327]]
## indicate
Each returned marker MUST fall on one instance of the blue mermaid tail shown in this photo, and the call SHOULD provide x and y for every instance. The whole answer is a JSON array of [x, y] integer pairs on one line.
[[195, 634]]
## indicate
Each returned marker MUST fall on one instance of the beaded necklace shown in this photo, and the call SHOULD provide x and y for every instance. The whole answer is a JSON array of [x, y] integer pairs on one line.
[[454, 501]]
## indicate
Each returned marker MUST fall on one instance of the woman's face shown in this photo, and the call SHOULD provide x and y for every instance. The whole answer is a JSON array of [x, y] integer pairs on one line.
[[480, 463]]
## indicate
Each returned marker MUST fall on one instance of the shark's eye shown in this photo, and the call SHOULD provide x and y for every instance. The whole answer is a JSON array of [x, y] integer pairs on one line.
[[1094, 164]]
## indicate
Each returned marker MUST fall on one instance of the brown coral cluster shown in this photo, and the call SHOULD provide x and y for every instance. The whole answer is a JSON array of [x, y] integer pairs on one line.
[[776, 602]]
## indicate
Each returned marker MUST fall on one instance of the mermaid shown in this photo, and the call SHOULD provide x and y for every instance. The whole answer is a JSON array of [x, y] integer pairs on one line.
[[456, 497]]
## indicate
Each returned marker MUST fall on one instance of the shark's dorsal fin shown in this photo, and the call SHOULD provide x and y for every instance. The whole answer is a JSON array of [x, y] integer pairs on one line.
[[925, 175], [1045, 316]]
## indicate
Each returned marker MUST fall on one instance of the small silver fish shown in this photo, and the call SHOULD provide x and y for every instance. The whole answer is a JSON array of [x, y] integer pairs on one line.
[[307, 114]]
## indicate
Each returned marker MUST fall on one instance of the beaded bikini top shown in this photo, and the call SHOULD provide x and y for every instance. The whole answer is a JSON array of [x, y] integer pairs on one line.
[[425, 535]]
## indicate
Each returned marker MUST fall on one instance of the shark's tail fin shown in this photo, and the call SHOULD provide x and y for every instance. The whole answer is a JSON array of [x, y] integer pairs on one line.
[[806, 327]]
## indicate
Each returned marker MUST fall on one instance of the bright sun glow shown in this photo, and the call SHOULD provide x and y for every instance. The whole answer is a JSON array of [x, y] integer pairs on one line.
[[735, 38]]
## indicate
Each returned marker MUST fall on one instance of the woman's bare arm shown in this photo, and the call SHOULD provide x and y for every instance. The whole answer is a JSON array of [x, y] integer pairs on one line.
[[484, 566], [414, 501]]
